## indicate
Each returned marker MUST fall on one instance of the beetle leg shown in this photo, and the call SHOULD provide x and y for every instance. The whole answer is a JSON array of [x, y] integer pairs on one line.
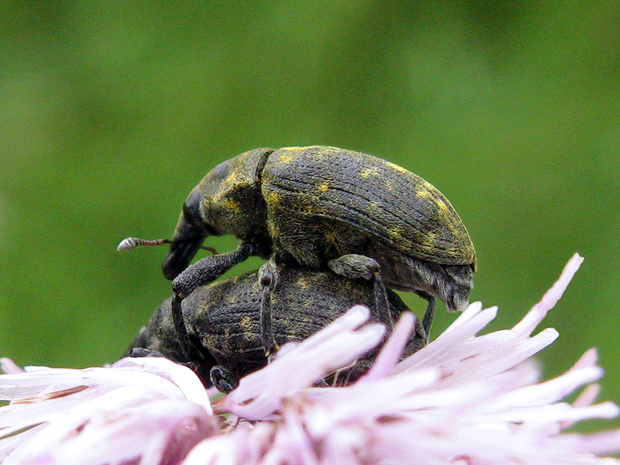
[[209, 269], [268, 276], [355, 266], [381, 302], [189, 351], [200, 273], [223, 379], [429, 315]]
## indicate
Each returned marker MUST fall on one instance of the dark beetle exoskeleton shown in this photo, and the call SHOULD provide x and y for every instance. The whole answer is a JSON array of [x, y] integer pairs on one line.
[[224, 325], [324, 207]]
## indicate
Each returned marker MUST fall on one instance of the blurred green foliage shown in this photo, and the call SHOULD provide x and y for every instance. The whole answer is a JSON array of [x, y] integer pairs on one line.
[[110, 112]]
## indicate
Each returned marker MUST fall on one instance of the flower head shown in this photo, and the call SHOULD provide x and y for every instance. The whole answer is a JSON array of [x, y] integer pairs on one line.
[[463, 399]]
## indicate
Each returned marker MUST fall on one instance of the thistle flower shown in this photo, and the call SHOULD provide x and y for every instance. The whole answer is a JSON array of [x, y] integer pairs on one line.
[[463, 399]]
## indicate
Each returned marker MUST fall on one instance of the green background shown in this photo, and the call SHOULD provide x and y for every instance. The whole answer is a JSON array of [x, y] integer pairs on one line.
[[110, 112]]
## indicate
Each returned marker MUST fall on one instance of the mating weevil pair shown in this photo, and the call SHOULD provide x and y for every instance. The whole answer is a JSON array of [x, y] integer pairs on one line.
[[322, 208]]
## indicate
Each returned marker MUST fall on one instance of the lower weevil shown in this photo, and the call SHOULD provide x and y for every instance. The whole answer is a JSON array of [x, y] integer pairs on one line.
[[224, 328]]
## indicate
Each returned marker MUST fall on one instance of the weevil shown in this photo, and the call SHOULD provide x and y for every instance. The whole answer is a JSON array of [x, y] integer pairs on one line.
[[323, 207], [223, 322]]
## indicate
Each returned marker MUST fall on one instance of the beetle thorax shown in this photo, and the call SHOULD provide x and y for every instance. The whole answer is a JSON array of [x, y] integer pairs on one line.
[[231, 201]]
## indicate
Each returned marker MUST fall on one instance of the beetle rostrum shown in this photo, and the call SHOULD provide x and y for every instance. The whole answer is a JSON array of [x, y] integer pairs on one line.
[[324, 208], [223, 322]]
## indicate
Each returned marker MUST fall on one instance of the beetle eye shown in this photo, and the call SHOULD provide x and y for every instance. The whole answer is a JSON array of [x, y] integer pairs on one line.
[[220, 172], [191, 208], [191, 213]]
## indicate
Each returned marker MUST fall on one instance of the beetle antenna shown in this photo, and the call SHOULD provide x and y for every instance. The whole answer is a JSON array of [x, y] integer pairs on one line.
[[209, 248], [130, 243]]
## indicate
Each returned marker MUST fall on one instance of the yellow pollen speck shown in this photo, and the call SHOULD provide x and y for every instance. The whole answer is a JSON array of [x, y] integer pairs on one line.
[[395, 232], [423, 194], [368, 172], [246, 323], [232, 179], [397, 168], [231, 205], [443, 208], [323, 187], [288, 154], [272, 198], [330, 237], [430, 239]]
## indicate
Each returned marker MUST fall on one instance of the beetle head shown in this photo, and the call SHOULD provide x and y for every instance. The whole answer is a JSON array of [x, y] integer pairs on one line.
[[226, 201], [190, 232]]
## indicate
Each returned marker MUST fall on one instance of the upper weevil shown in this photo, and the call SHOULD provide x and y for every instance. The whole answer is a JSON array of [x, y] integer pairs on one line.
[[323, 207]]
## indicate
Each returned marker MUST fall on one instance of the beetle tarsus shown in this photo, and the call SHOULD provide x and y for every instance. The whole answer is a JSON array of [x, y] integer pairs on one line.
[[223, 379], [429, 315]]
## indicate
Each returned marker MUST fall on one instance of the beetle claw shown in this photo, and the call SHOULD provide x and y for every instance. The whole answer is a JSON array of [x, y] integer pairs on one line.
[[223, 379], [429, 315]]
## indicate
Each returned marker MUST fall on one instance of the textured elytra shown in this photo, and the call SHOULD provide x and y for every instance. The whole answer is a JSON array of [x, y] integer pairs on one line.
[[223, 318], [339, 193]]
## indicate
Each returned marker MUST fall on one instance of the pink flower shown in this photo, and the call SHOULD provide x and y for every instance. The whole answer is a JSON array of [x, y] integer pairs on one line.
[[463, 399], [149, 408]]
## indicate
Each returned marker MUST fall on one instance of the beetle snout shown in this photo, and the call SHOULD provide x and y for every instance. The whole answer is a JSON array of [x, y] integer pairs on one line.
[[184, 246], [179, 257], [188, 237]]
